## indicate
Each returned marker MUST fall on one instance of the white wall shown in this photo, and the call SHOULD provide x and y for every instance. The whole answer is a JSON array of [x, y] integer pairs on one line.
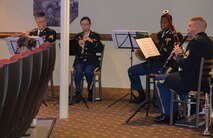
[[107, 15]]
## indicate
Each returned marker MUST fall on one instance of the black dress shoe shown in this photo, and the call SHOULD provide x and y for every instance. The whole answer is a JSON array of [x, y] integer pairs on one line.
[[76, 99], [140, 99], [177, 117], [90, 96], [166, 118], [162, 118]]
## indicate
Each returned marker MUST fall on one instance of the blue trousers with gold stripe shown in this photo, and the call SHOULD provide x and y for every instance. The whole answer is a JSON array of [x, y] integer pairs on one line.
[[163, 95]]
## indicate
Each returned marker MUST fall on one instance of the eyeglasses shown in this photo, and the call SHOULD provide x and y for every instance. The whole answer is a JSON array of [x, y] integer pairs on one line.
[[85, 24]]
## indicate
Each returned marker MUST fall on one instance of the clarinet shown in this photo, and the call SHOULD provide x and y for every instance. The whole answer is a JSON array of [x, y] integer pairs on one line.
[[162, 70]]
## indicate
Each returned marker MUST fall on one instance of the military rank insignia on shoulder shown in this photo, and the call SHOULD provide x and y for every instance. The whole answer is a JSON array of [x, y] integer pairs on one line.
[[33, 32], [198, 37]]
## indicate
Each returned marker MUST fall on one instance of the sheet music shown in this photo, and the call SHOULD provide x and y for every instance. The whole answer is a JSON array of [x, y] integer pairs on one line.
[[12, 43], [148, 47]]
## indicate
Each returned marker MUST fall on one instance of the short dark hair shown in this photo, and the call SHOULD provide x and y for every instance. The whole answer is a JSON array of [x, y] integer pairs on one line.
[[85, 18], [39, 14], [164, 16]]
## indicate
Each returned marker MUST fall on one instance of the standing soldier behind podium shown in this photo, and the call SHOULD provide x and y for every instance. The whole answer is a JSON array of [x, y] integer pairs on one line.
[[86, 62], [164, 41], [49, 35]]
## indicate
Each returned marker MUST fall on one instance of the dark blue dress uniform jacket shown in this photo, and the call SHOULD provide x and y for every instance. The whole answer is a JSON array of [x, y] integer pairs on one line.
[[187, 79], [165, 47], [48, 34], [90, 49]]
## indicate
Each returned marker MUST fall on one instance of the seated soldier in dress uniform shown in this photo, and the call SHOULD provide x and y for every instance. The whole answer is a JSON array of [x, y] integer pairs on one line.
[[49, 35], [86, 60], [186, 79], [25, 43], [164, 41]]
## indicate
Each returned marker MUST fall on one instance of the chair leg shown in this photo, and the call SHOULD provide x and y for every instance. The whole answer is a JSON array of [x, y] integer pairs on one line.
[[189, 105], [197, 109], [93, 89], [154, 93], [82, 86], [71, 88], [171, 108], [100, 87], [154, 89], [46, 94], [185, 105], [52, 86]]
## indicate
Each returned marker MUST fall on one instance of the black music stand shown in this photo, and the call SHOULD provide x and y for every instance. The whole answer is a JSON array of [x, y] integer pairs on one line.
[[148, 98], [126, 40], [73, 51], [151, 51]]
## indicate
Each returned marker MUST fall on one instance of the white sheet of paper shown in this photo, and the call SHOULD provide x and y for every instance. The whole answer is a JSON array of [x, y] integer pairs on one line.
[[148, 47]]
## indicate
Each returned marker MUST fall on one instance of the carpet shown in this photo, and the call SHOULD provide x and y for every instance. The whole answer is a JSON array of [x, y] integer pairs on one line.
[[43, 129]]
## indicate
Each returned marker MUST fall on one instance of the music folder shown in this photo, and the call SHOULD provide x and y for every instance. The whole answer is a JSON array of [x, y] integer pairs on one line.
[[12, 43], [148, 47]]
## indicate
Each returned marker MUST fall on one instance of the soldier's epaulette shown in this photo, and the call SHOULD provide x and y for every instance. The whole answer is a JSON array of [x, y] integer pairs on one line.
[[95, 32], [51, 30], [35, 29], [47, 29]]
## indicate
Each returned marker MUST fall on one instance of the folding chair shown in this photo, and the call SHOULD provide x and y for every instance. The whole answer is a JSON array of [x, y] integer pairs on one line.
[[205, 67]]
